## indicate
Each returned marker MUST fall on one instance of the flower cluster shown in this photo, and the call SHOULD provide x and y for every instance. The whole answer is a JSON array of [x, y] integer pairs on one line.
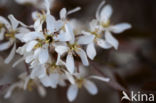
[[55, 51]]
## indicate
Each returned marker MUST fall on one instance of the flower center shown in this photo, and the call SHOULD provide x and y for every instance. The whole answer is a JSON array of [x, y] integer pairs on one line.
[[73, 47], [30, 85], [79, 82], [105, 24], [11, 34]]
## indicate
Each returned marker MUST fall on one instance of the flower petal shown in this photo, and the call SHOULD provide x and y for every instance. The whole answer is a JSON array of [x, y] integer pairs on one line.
[[47, 5], [83, 56], [39, 71], [91, 52], [104, 79], [5, 45], [70, 32], [41, 91], [98, 10], [119, 28], [91, 87], [61, 49], [50, 81], [14, 21], [38, 25], [106, 13], [63, 13], [11, 55], [70, 63], [50, 21], [70, 77], [72, 93], [43, 56], [73, 10], [17, 62], [85, 39], [111, 40], [103, 44], [31, 45], [33, 35]]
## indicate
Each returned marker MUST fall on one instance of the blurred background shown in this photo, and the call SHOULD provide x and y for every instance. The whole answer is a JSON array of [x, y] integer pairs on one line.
[[131, 67]]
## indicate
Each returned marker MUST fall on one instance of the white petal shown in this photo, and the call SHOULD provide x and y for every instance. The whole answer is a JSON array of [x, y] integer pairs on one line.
[[37, 52], [38, 71], [73, 10], [63, 13], [63, 37], [17, 62], [9, 91], [50, 81], [29, 58], [6, 45], [43, 56], [91, 87], [33, 35], [45, 81], [31, 45], [103, 44], [83, 56], [98, 10], [14, 22], [50, 21], [61, 49], [72, 93], [100, 78], [119, 28], [11, 55], [54, 80], [47, 5], [26, 81], [70, 77], [70, 63], [23, 30], [106, 13], [111, 40], [85, 39], [20, 36], [58, 25], [38, 25], [35, 15], [42, 91], [70, 32], [91, 52]]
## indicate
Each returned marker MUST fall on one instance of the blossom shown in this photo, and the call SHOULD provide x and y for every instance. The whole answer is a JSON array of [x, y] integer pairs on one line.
[[25, 83], [81, 81], [9, 31], [74, 48], [103, 18], [102, 30], [52, 48]]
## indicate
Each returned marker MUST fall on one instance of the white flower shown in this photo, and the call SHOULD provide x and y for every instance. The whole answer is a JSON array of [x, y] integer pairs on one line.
[[97, 40], [102, 24], [103, 18], [80, 82], [74, 48], [10, 33], [25, 83]]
